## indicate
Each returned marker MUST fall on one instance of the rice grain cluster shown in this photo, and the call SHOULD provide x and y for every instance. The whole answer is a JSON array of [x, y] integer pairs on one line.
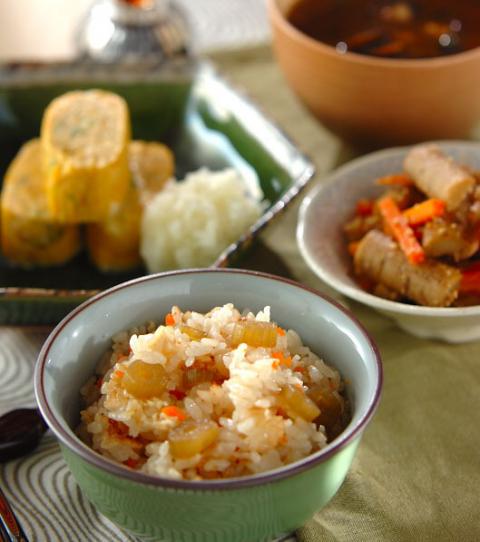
[[189, 223]]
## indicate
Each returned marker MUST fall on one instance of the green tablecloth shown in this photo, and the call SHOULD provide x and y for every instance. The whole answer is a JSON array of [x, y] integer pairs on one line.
[[417, 473]]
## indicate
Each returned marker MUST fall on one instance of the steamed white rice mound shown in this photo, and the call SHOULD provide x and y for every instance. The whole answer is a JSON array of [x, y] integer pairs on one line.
[[189, 223], [236, 391]]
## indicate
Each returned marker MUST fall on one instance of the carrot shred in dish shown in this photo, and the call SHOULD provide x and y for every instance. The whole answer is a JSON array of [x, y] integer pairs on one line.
[[174, 412], [397, 179], [470, 283], [389, 49], [425, 211], [281, 332], [403, 233], [472, 268], [352, 247], [119, 373], [132, 463], [364, 207], [169, 319]]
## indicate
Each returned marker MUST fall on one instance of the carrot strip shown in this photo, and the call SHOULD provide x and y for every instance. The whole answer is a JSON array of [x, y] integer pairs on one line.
[[392, 48], [174, 412], [118, 373], [397, 179], [169, 319], [364, 207], [352, 247], [280, 332], [470, 283], [400, 229], [472, 267], [425, 211]]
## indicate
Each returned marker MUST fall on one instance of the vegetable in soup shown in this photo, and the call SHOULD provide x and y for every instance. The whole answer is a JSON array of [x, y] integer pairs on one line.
[[391, 29]]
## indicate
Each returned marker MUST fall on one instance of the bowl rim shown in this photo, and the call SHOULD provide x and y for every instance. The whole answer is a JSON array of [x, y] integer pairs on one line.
[[75, 445], [355, 292], [278, 17]]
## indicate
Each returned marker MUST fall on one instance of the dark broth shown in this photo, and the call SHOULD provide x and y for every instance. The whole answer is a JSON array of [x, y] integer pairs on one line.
[[391, 29]]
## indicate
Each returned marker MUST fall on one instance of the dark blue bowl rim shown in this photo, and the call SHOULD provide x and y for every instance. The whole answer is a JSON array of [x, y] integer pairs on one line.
[[80, 449]]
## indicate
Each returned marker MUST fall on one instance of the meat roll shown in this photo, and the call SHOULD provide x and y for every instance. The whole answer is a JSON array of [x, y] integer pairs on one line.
[[438, 175], [433, 284]]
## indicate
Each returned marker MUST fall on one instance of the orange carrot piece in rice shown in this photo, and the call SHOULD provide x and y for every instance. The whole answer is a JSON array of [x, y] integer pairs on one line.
[[280, 331], [174, 412], [423, 212], [282, 359], [169, 319], [403, 233]]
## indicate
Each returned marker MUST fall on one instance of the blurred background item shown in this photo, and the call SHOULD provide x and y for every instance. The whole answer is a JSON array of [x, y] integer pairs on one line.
[[49, 29], [133, 31]]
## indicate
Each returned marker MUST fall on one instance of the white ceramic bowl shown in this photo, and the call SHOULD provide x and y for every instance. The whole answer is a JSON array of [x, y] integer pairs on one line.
[[322, 244]]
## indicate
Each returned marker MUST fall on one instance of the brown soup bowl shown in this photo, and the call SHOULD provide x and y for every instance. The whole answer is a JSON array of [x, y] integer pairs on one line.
[[375, 102]]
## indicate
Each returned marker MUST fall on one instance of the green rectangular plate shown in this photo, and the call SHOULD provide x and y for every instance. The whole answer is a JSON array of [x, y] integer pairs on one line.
[[186, 105]]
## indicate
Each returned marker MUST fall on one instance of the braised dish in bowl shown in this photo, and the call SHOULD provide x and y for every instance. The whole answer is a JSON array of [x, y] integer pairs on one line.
[[398, 230]]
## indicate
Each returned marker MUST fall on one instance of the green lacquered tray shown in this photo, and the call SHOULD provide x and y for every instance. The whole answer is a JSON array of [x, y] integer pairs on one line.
[[186, 105]]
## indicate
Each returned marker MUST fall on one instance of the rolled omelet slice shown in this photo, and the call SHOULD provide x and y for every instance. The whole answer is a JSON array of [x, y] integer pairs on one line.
[[85, 136], [29, 237], [114, 244]]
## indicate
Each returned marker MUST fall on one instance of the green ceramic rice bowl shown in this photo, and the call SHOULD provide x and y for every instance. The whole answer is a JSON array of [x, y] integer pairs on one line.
[[253, 508]]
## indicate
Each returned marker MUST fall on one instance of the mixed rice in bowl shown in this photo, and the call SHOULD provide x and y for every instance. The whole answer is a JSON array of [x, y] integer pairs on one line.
[[216, 395]]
